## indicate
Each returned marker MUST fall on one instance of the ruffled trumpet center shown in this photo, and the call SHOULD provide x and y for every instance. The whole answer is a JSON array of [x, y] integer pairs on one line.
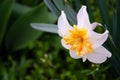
[[78, 41]]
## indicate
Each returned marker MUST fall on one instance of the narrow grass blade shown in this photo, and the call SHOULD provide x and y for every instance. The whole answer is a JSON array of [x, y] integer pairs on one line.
[[52, 7], [45, 27], [90, 10], [116, 35], [77, 4], [60, 5], [104, 14]]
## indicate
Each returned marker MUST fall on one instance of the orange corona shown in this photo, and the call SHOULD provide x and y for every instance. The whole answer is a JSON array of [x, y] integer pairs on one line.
[[78, 40]]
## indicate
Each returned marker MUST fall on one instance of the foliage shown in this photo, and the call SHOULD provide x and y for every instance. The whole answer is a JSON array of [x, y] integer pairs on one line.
[[29, 54]]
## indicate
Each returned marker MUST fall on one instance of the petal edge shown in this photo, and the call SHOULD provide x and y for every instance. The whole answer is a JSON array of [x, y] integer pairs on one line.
[[83, 18], [63, 25], [74, 55], [99, 57]]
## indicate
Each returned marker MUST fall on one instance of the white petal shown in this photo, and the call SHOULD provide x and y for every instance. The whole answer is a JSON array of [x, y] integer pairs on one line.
[[64, 45], [95, 24], [63, 25], [97, 39], [83, 19], [84, 58], [74, 55], [99, 55]]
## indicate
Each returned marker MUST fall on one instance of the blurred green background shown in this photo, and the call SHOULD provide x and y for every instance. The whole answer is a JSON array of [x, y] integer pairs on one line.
[[29, 54]]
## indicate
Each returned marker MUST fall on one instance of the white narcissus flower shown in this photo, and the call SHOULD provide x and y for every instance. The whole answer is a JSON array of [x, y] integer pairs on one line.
[[81, 40]]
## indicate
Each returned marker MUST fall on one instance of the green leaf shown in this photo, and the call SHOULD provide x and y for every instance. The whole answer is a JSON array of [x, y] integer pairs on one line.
[[19, 9], [52, 7], [60, 5], [104, 14], [5, 11], [21, 33], [71, 11], [115, 59], [52, 18], [45, 27], [115, 65], [117, 24], [90, 10], [77, 4], [115, 28]]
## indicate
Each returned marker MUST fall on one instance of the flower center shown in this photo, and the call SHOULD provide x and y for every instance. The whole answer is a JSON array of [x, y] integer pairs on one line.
[[78, 40]]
